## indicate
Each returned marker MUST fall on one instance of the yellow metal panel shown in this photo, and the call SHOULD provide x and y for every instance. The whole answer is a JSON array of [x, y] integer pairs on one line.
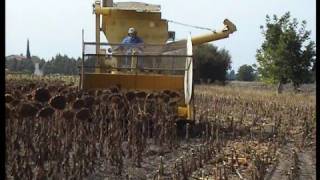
[[185, 112], [149, 25], [133, 81], [101, 10], [197, 40], [190, 111], [182, 112], [139, 82], [214, 36]]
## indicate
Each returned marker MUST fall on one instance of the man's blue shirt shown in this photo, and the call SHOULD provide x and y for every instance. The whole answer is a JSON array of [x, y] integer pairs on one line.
[[131, 40]]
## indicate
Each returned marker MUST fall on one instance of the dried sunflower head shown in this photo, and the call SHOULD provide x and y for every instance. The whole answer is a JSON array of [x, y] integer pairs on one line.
[[8, 112], [45, 112], [27, 110], [41, 95], [8, 98], [78, 104], [141, 94], [130, 96], [58, 102], [83, 114], [68, 115], [89, 101]]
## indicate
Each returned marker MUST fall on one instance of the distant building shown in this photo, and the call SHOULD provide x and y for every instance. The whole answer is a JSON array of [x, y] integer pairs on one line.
[[37, 70], [17, 57]]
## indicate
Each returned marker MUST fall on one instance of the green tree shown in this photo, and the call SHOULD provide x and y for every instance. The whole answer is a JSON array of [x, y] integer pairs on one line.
[[287, 54], [246, 73], [211, 63], [61, 65]]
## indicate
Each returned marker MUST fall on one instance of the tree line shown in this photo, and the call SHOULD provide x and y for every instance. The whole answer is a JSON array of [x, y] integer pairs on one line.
[[60, 64]]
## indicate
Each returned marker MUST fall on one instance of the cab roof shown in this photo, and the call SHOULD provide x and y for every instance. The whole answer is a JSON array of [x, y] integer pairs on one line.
[[138, 6]]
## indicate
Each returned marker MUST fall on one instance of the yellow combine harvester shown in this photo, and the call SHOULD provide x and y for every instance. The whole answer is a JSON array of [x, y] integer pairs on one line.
[[158, 64]]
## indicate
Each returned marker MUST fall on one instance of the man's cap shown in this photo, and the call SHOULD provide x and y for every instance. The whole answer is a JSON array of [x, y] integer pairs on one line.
[[131, 30]]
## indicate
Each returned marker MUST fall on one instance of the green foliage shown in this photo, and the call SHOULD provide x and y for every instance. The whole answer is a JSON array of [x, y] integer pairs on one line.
[[211, 63], [67, 66], [246, 73], [287, 54], [61, 65]]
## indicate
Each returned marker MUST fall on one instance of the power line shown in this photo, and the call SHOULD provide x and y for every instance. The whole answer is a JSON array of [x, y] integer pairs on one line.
[[188, 25]]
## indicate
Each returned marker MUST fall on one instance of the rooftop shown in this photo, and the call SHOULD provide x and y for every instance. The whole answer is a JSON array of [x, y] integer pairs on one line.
[[17, 57]]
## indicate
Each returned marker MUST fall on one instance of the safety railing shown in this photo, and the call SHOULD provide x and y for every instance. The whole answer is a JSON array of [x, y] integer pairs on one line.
[[90, 48], [133, 58], [146, 57]]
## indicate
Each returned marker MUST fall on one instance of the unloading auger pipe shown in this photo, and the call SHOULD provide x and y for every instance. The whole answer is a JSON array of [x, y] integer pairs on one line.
[[229, 28]]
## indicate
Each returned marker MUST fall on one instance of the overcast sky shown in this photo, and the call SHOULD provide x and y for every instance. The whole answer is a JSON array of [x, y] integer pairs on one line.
[[54, 26]]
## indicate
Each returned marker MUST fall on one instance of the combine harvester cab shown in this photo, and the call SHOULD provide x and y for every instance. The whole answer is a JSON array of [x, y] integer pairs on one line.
[[153, 66]]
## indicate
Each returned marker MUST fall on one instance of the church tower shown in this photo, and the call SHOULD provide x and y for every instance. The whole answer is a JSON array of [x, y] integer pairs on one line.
[[28, 51]]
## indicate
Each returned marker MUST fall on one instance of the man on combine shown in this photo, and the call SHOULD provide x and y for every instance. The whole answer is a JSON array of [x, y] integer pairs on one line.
[[131, 44], [132, 37]]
